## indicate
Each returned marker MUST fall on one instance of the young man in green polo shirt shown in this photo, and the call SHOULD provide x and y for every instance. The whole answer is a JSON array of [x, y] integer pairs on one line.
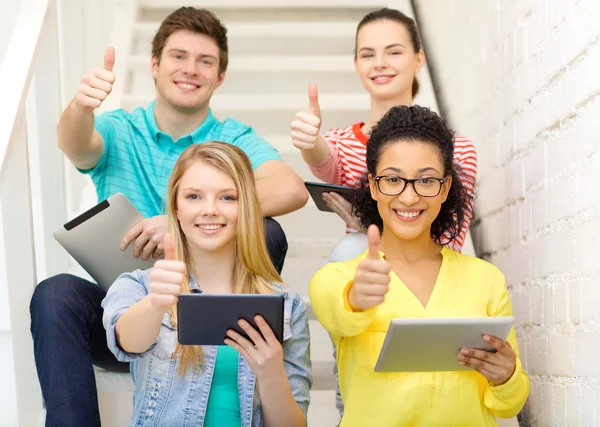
[[134, 153]]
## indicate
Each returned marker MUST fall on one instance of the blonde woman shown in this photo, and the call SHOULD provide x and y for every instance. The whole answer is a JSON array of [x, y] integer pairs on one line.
[[215, 246]]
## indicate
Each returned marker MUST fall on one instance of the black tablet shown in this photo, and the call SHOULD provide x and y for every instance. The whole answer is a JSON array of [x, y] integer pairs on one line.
[[204, 319], [316, 190]]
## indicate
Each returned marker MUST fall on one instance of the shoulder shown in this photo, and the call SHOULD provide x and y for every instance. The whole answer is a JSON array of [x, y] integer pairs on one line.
[[347, 132], [475, 267], [231, 129], [461, 142], [291, 296], [139, 277]]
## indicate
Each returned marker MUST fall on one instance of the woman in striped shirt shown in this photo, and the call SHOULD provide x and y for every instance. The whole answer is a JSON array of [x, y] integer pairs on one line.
[[388, 56]]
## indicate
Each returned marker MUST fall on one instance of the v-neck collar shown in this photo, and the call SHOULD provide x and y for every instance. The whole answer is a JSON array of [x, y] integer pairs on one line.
[[437, 287]]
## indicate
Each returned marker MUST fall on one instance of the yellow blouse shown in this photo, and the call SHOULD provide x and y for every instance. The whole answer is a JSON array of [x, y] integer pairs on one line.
[[465, 287]]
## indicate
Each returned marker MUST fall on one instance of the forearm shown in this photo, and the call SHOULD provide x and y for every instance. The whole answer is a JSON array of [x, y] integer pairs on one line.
[[138, 327], [317, 155], [279, 406], [281, 195], [75, 130]]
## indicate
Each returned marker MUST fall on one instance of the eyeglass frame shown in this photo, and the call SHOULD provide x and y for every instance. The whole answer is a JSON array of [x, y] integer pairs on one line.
[[411, 182]]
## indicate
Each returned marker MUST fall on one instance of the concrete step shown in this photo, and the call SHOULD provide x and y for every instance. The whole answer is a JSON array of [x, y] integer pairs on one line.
[[269, 38], [297, 271], [322, 411], [311, 223]]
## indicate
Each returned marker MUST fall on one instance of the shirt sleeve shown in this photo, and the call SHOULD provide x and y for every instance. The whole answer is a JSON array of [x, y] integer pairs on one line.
[[328, 291], [296, 356], [330, 171], [105, 125], [465, 157], [256, 148], [127, 290], [507, 400]]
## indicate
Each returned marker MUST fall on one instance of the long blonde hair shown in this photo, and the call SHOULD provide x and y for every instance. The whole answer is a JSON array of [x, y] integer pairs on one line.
[[253, 272]]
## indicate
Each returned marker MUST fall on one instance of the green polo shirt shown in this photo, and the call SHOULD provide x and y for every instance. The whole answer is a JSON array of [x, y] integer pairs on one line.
[[138, 157]]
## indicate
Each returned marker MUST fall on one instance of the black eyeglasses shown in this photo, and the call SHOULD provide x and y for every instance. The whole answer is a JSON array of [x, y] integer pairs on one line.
[[392, 185]]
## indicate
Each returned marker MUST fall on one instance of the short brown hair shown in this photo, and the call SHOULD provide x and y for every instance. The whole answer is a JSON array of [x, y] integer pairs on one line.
[[200, 21]]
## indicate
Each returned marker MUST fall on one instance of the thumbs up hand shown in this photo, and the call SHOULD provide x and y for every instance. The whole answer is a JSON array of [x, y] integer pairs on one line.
[[372, 277], [305, 127], [167, 277], [96, 84]]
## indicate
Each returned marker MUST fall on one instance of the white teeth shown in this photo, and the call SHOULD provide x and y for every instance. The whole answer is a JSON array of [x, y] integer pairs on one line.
[[408, 214], [210, 226], [187, 85]]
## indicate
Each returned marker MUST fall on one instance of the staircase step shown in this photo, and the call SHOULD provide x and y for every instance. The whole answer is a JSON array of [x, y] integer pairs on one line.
[[322, 411], [297, 272], [310, 222]]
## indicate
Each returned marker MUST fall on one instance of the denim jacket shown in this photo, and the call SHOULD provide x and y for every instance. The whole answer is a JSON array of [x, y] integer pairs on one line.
[[164, 398]]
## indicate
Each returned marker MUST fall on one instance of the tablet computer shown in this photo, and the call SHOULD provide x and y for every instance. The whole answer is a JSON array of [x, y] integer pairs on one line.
[[204, 319], [433, 344], [93, 239], [316, 190]]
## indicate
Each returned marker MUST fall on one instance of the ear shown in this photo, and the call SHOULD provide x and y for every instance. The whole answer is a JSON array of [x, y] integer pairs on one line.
[[221, 79], [446, 189], [420, 61], [154, 63], [373, 187]]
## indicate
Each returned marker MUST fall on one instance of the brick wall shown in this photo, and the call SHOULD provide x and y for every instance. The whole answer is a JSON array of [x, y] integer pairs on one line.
[[522, 79]]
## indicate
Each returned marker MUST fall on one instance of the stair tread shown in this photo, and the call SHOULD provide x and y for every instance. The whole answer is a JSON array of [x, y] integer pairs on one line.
[[211, 4]]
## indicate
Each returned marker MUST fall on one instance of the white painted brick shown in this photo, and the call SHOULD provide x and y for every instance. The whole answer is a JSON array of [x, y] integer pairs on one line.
[[575, 301], [561, 299], [559, 355], [535, 166], [590, 295], [585, 353], [559, 405], [548, 311], [537, 304], [588, 405], [573, 407], [587, 236]]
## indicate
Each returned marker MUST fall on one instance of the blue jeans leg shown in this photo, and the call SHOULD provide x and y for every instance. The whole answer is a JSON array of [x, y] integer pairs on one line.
[[68, 338]]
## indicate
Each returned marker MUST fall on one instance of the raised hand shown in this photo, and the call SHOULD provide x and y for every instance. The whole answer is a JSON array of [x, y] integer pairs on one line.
[[372, 277], [307, 123], [167, 277], [496, 367], [343, 208], [97, 83]]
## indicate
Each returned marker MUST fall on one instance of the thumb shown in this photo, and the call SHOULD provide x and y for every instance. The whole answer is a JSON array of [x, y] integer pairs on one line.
[[313, 100], [109, 58], [169, 247], [374, 240]]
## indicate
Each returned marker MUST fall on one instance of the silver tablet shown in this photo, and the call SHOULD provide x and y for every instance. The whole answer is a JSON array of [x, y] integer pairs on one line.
[[93, 239], [432, 344]]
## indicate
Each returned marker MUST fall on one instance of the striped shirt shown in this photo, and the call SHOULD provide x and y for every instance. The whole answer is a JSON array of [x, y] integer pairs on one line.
[[138, 157], [347, 164]]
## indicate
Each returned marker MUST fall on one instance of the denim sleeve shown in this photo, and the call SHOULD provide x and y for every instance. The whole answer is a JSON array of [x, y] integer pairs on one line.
[[256, 148], [296, 356], [128, 289]]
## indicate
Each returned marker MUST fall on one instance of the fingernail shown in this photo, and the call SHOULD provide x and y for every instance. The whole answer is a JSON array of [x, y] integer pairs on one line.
[[461, 357], [487, 338], [462, 363], [258, 319], [464, 351]]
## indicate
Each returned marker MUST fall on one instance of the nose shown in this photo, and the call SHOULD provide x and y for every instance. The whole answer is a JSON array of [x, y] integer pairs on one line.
[[189, 68], [409, 196], [209, 208], [380, 61]]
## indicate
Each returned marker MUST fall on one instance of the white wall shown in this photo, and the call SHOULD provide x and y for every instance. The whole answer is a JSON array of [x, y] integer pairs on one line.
[[521, 78]]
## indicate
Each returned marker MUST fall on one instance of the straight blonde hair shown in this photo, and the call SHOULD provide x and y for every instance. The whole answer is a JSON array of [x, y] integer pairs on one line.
[[253, 272]]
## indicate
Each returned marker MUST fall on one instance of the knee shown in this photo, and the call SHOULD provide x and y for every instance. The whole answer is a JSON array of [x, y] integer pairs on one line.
[[349, 247], [274, 233], [51, 294]]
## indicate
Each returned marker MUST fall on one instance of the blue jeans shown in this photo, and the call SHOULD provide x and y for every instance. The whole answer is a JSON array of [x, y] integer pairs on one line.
[[68, 339]]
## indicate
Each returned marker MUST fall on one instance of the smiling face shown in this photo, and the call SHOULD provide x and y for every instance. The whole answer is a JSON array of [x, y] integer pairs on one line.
[[407, 215], [207, 208], [187, 73], [386, 61]]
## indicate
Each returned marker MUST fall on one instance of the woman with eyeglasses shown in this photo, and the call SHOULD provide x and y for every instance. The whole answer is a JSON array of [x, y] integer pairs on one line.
[[412, 193], [388, 55]]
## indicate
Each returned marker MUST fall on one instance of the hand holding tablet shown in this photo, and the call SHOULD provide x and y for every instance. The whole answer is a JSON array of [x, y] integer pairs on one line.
[[496, 366]]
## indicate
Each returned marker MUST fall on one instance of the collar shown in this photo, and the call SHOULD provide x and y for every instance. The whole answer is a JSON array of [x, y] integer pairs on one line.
[[200, 134]]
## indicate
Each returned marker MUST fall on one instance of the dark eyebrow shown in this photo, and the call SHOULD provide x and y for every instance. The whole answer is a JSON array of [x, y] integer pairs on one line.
[[389, 46], [422, 170]]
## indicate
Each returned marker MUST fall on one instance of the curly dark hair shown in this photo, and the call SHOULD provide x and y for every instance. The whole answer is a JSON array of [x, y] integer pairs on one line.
[[418, 124]]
